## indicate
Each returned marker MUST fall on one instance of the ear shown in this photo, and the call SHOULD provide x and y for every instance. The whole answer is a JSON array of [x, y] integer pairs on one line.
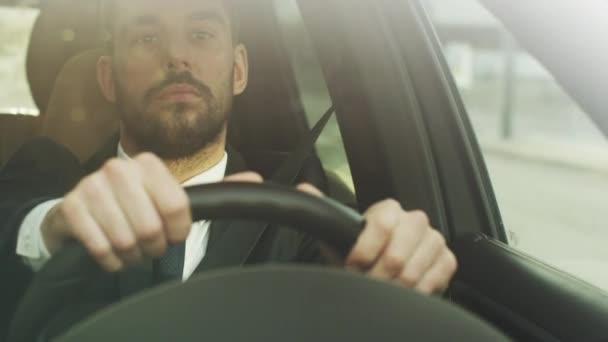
[[241, 69], [105, 77]]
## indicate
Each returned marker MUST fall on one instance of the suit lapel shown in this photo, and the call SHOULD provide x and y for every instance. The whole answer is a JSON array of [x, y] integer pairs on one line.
[[107, 151], [231, 241]]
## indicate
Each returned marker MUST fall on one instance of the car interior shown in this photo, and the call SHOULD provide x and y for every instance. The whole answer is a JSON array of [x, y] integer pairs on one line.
[[526, 299]]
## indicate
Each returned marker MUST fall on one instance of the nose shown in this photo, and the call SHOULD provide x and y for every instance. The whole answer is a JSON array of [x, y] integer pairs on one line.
[[178, 58]]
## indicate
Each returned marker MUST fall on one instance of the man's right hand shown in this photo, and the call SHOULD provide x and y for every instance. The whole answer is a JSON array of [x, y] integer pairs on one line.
[[127, 210]]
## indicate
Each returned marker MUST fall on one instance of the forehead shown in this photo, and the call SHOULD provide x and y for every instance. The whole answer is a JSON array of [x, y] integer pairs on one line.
[[128, 12]]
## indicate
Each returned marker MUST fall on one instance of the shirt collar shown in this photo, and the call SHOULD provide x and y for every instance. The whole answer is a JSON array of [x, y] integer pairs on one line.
[[213, 175]]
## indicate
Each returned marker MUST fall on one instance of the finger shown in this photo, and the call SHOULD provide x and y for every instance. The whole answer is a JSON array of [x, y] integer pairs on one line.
[[108, 215], [245, 177], [168, 196], [310, 189], [400, 249], [426, 255], [437, 279], [137, 207], [381, 220], [84, 229]]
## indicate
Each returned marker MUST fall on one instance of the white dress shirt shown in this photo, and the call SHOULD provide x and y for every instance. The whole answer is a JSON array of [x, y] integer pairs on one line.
[[31, 246]]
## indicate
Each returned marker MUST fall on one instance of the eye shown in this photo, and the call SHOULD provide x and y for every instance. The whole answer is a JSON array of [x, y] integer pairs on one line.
[[202, 35], [147, 39]]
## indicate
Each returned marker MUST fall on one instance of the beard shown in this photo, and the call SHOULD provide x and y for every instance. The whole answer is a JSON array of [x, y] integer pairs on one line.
[[176, 130]]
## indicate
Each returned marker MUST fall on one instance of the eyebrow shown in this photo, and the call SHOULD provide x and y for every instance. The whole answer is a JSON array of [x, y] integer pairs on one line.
[[151, 20], [143, 20], [207, 15]]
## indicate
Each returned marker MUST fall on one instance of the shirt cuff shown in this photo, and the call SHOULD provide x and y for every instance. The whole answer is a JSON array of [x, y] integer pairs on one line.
[[30, 243]]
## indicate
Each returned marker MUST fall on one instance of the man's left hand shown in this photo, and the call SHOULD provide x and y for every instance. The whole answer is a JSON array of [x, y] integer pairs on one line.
[[395, 245], [401, 246]]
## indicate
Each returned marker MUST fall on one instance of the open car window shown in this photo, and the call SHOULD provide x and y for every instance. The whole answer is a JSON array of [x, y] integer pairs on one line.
[[547, 160]]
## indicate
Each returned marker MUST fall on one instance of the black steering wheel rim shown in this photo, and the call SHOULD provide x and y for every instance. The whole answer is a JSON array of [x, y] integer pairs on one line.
[[70, 269]]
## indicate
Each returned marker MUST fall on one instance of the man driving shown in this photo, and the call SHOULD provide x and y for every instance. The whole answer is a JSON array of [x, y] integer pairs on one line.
[[173, 68]]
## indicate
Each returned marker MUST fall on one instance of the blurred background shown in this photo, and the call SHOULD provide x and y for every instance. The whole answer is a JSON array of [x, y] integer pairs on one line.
[[547, 160], [15, 27]]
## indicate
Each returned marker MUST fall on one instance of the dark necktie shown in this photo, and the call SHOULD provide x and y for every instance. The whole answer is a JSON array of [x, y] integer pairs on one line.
[[171, 265]]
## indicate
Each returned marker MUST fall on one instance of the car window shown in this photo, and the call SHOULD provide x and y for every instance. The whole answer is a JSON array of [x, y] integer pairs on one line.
[[15, 27], [547, 160], [313, 89]]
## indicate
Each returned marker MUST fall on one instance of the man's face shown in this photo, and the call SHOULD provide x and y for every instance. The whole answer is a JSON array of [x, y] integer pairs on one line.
[[173, 73]]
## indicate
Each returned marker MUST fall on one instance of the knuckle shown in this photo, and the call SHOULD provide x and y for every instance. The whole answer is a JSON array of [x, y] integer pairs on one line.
[[420, 218], [114, 166], [391, 204], [451, 262], [393, 261], [114, 267], [148, 159], [181, 201], [68, 205], [150, 231], [384, 206], [437, 237], [384, 216], [408, 279], [385, 224], [362, 257], [92, 185], [385, 227], [178, 207], [100, 251], [124, 245]]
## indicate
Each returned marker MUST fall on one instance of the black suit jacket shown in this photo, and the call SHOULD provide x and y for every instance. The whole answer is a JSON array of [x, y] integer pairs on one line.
[[43, 170]]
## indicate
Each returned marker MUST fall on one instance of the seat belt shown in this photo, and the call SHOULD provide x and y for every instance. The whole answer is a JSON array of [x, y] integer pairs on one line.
[[289, 170]]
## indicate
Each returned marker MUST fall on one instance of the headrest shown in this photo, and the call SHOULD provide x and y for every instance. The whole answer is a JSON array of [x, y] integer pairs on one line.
[[78, 116], [63, 29]]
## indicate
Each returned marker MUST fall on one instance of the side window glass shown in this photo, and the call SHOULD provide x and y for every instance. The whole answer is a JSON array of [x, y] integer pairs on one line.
[[15, 27], [547, 160], [314, 94]]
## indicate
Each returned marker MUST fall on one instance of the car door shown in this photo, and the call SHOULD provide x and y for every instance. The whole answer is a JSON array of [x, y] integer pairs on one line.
[[407, 135]]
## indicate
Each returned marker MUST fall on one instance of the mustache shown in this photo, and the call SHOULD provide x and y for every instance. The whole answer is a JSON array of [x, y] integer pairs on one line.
[[179, 78]]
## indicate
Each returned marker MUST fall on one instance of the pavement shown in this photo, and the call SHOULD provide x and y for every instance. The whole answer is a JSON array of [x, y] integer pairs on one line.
[[553, 198]]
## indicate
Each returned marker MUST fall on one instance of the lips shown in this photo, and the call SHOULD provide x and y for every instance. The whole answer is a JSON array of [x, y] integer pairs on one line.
[[179, 91]]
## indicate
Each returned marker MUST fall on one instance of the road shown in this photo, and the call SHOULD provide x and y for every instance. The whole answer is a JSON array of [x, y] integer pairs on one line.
[[555, 213]]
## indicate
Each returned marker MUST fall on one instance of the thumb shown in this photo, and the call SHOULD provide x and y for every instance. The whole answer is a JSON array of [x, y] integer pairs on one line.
[[245, 177]]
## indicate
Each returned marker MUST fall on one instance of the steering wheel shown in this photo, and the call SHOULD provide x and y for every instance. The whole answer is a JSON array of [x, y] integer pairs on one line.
[[252, 297]]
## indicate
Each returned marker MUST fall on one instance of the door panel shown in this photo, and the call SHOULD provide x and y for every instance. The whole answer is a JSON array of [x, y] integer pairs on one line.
[[529, 300]]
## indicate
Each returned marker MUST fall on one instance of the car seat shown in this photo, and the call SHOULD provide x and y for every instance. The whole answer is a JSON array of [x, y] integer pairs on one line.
[[63, 29], [78, 116]]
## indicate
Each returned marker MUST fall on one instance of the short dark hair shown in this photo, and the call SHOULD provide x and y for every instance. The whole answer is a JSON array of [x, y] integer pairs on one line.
[[106, 11]]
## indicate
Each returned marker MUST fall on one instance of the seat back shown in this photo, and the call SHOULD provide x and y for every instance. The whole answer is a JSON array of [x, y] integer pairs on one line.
[[63, 29], [78, 116]]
